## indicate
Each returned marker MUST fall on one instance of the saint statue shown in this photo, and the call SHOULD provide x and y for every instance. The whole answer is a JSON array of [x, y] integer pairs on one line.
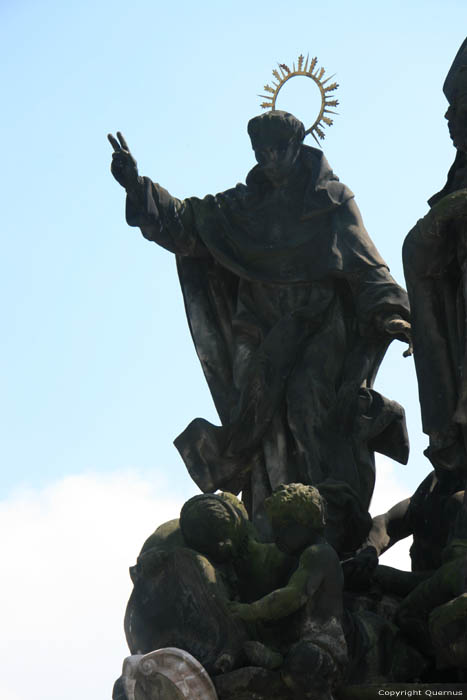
[[291, 309], [435, 266]]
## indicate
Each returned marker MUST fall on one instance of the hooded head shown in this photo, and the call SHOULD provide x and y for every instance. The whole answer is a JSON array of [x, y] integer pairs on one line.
[[455, 89], [276, 138]]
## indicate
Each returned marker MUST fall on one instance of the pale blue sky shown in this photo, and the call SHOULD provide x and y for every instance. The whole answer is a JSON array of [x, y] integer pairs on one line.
[[97, 370]]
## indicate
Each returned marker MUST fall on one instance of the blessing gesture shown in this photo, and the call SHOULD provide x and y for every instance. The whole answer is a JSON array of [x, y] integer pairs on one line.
[[123, 167]]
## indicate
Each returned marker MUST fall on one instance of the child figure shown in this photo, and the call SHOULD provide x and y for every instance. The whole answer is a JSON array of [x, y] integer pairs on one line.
[[309, 607]]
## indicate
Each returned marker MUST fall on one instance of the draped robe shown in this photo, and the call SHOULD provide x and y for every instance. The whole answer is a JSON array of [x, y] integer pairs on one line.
[[435, 267], [284, 293]]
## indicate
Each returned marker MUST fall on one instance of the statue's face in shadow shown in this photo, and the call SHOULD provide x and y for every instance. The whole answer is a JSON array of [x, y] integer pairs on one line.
[[214, 525], [297, 515], [290, 536], [457, 122], [277, 157]]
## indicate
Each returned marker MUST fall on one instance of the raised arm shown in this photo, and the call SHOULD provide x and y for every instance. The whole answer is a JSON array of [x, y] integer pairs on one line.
[[387, 529], [124, 167], [390, 527], [162, 218]]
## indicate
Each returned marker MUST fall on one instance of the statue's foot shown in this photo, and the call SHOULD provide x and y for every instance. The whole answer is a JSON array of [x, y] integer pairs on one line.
[[260, 655]]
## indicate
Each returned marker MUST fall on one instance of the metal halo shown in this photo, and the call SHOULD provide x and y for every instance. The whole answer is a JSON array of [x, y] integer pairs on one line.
[[316, 74]]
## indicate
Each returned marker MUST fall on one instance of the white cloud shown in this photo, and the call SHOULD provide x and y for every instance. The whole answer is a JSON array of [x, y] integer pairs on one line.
[[389, 490], [66, 550]]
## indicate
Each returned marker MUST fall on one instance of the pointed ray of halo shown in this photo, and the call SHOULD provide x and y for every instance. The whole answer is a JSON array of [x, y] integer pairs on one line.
[[311, 70]]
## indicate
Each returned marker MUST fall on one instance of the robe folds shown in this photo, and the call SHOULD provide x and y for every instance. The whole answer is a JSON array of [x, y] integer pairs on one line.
[[435, 268], [285, 295]]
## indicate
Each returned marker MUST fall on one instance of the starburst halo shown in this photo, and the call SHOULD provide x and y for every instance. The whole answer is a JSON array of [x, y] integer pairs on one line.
[[310, 70]]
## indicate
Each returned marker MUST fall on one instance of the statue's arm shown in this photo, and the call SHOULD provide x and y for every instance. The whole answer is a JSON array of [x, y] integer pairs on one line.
[[163, 219], [287, 600], [386, 530], [167, 221], [382, 305], [390, 527]]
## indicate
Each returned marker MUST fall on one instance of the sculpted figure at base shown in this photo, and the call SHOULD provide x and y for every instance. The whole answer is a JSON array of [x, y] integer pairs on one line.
[[310, 606], [188, 570], [179, 599], [438, 499], [291, 309], [268, 618], [286, 618], [437, 555]]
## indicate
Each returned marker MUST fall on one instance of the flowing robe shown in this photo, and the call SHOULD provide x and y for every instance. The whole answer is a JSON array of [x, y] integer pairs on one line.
[[283, 290], [435, 267]]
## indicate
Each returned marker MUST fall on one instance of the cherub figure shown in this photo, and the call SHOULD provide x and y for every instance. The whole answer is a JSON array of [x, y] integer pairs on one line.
[[180, 594], [309, 605], [217, 526]]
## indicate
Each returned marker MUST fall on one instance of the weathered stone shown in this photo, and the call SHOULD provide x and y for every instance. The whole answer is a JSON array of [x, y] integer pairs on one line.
[[252, 683], [291, 310], [278, 274], [448, 629], [181, 603]]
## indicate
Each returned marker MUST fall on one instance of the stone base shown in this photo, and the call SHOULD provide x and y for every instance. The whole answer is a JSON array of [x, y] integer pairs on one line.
[[251, 682]]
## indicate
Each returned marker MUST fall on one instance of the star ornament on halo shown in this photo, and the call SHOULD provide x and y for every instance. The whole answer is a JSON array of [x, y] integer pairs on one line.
[[316, 74]]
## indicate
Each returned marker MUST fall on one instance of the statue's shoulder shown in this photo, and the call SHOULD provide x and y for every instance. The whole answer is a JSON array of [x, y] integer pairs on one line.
[[323, 181], [231, 195]]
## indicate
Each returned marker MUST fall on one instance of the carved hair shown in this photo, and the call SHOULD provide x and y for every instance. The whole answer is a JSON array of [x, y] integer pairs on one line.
[[298, 502], [209, 518]]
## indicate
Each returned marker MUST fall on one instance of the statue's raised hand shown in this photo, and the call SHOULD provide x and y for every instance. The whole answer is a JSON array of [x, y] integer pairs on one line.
[[123, 167]]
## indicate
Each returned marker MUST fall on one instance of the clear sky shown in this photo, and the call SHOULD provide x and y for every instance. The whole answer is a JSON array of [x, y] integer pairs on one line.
[[98, 373]]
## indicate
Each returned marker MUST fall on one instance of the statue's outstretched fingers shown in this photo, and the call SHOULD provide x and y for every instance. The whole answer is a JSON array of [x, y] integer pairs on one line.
[[114, 143], [123, 143]]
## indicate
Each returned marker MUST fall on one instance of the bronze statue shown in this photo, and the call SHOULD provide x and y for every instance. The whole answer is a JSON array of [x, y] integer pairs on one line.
[[291, 309], [435, 259]]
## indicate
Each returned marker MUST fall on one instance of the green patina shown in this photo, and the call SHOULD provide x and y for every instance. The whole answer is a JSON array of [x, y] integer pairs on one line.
[[217, 525], [446, 583], [167, 537], [301, 503], [451, 206]]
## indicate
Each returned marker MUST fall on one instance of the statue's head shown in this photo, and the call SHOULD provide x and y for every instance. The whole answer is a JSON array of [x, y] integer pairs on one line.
[[455, 89], [276, 138], [297, 514], [214, 524], [456, 115]]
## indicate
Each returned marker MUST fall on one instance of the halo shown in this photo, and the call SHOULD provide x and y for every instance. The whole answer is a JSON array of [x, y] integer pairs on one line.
[[316, 74]]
